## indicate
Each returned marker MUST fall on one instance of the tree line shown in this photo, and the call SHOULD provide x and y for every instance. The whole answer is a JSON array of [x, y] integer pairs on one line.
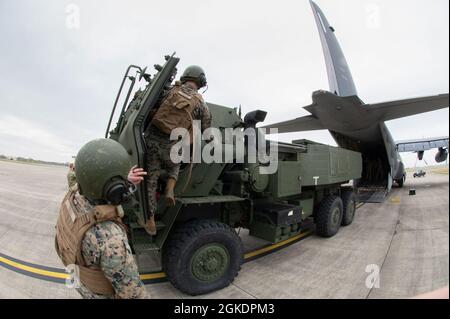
[[30, 160]]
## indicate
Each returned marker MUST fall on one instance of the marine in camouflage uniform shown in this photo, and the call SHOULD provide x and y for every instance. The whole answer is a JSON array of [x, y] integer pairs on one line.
[[158, 147], [105, 245], [159, 143], [90, 234]]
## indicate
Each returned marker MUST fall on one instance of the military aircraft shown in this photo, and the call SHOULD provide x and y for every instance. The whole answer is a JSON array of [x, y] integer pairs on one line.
[[419, 146], [358, 126]]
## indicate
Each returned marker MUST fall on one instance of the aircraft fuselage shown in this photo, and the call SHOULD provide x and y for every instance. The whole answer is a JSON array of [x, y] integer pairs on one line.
[[354, 127]]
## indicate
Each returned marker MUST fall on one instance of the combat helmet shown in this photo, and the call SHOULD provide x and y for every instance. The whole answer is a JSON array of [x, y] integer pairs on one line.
[[196, 74], [102, 167]]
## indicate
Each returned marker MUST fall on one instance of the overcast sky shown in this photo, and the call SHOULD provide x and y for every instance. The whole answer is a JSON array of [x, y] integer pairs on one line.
[[59, 78]]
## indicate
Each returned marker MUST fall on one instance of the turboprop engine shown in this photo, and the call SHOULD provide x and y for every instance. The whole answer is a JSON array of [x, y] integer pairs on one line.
[[442, 155]]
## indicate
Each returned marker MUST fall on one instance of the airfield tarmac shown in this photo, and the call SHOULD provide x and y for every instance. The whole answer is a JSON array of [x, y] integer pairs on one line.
[[406, 238]]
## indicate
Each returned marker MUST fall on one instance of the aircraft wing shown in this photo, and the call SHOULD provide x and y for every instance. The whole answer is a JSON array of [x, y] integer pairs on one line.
[[396, 109], [419, 145], [305, 123]]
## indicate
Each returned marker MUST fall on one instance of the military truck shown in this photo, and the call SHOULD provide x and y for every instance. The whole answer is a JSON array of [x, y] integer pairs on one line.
[[197, 243]]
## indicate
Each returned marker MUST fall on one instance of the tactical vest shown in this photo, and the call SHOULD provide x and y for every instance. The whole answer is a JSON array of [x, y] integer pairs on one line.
[[71, 227], [176, 110]]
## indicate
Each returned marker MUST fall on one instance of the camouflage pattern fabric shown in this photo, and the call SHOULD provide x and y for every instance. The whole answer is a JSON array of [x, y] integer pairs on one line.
[[71, 179], [159, 145], [105, 245], [158, 157]]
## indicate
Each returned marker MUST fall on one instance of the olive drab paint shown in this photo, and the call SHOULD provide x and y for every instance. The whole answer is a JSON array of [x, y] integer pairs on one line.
[[216, 197]]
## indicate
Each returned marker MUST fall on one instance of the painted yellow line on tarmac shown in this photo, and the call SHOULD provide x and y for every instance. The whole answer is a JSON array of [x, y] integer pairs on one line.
[[152, 276], [33, 270], [275, 246], [159, 275], [149, 276]]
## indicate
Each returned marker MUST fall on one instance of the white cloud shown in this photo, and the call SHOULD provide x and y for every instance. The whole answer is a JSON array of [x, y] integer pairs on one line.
[[21, 137], [261, 54]]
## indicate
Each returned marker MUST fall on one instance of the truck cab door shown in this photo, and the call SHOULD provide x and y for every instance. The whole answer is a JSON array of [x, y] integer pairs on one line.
[[130, 132]]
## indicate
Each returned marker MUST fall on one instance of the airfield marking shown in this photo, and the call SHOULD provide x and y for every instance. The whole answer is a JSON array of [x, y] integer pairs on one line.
[[33, 270], [58, 275], [275, 246], [395, 200], [36, 270]]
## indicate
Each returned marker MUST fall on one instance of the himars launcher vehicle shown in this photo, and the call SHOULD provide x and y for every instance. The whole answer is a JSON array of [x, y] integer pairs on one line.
[[198, 246], [196, 242]]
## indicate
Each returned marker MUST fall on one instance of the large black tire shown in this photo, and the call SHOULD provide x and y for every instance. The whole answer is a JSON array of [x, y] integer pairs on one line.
[[329, 216], [202, 256], [400, 182], [349, 204]]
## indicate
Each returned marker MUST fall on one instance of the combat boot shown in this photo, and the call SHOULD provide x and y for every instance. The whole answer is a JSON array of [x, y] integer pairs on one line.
[[170, 197], [150, 225]]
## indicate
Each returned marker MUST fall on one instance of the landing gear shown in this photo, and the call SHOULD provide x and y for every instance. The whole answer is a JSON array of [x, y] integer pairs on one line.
[[400, 182]]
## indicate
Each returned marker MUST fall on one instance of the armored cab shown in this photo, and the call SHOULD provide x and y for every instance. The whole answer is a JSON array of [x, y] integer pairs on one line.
[[196, 241]]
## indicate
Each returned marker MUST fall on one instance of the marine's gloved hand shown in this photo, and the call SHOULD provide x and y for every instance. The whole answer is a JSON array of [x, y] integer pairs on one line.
[[136, 175]]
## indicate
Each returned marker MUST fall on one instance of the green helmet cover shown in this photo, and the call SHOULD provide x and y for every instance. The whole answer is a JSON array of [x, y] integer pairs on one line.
[[98, 164], [196, 74]]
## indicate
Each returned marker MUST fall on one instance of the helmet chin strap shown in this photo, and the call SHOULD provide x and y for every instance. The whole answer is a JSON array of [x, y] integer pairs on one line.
[[132, 189], [205, 89], [126, 197]]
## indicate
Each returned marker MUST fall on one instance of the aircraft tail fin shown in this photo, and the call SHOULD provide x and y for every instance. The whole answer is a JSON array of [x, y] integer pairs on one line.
[[339, 75]]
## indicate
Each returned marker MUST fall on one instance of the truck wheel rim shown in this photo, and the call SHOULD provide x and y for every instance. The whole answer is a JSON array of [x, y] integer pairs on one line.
[[210, 262], [336, 216]]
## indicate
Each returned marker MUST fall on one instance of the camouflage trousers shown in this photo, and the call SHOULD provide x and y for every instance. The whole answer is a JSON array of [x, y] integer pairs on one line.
[[158, 157], [105, 245]]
